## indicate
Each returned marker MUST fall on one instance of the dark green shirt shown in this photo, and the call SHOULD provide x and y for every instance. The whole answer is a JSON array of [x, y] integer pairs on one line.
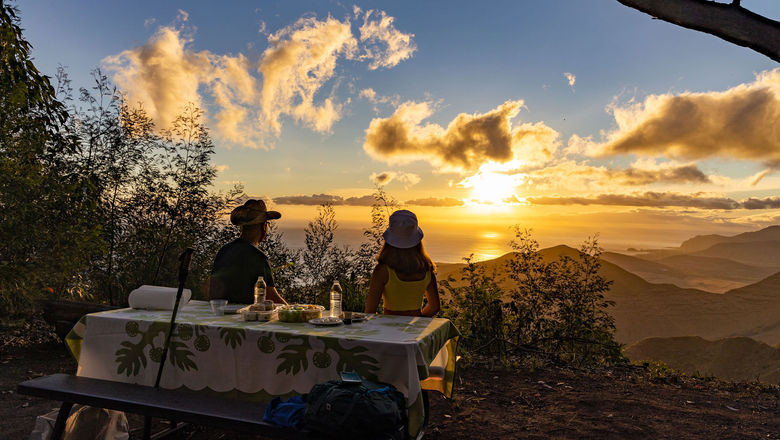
[[237, 266]]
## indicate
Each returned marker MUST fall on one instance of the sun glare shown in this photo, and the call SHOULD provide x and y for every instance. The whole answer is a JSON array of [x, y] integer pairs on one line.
[[491, 188]]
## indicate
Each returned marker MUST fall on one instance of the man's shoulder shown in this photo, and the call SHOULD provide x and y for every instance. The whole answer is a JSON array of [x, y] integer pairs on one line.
[[240, 246]]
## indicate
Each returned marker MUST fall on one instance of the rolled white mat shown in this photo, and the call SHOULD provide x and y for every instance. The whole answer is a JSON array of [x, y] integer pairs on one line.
[[156, 297]]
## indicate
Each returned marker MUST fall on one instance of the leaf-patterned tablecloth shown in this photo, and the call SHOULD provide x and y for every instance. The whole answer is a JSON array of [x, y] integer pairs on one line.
[[224, 353]]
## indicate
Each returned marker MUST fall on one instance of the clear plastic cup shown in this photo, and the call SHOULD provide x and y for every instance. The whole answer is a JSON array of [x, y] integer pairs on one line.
[[218, 306]]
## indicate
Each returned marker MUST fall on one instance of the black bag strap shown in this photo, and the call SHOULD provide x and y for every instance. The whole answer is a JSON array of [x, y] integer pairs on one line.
[[320, 399], [348, 412]]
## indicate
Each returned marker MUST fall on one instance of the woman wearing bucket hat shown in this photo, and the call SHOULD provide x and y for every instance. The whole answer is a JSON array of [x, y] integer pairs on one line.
[[239, 263], [404, 273]]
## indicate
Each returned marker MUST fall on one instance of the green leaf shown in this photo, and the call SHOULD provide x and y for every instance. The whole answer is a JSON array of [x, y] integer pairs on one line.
[[130, 359], [232, 336], [294, 356]]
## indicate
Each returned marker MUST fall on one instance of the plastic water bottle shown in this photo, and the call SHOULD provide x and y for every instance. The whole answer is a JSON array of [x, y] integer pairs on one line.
[[335, 299], [260, 290]]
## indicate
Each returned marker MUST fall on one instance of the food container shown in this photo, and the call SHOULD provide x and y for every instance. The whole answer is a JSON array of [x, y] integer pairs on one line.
[[299, 312], [265, 316]]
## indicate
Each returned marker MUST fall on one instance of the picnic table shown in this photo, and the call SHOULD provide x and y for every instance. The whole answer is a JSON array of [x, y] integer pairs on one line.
[[261, 360]]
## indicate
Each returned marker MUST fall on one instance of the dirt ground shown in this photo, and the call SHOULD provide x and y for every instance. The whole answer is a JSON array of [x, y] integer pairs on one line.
[[550, 403]]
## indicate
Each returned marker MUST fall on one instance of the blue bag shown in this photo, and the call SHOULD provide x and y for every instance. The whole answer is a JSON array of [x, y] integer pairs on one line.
[[288, 414]]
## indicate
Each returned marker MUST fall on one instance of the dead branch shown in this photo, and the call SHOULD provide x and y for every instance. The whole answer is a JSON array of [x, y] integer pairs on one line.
[[730, 22]]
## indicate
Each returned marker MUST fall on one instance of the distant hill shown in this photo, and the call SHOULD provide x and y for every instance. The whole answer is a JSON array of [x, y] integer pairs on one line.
[[758, 248], [701, 242], [755, 253], [645, 309], [711, 274], [731, 358]]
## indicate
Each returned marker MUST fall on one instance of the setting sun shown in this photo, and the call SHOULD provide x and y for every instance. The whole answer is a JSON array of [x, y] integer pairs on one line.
[[490, 187]]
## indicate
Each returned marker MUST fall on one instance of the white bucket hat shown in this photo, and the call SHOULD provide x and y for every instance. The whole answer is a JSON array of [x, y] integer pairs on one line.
[[402, 231]]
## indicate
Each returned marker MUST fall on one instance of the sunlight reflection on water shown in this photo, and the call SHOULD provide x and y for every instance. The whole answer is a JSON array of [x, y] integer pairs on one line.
[[443, 246]]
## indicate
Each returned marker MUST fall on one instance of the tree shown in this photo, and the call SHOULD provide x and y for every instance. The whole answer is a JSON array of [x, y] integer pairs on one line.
[[475, 308], [284, 264], [47, 232], [730, 22], [319, 246], [559, 306]]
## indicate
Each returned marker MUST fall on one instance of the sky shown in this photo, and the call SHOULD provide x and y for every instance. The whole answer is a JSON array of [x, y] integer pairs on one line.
[[570, 118]]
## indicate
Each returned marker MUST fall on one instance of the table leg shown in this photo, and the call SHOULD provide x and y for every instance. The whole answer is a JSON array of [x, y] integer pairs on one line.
[[62, 417]]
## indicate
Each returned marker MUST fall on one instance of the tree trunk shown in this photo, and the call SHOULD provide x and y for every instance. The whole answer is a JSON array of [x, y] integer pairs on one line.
[[730, 22]]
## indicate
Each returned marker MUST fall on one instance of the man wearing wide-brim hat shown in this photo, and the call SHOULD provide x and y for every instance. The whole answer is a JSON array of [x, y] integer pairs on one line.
[[239, 263]]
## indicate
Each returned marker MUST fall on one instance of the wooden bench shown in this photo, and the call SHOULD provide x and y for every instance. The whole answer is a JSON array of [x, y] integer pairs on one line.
[[181, 406]]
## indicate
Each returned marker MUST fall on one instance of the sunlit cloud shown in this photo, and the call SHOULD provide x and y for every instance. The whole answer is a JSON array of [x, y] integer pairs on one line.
[[739, 123], [759, 176], [300, 59], [436, 201], [468, 142], [221, 168], [699, 200], [568, 174], [247, 101], [570, 78], [162, 74], [385, 177], [383, 44], [370, 95], [321, 199], [765, 203]]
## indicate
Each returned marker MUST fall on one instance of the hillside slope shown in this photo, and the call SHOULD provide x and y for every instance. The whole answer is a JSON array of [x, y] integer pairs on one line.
[[738, 359], [711, 274], [643, 309], [702, 242]]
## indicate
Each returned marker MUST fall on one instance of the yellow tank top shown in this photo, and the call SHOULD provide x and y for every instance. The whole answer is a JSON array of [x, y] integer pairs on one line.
[[404, 295]]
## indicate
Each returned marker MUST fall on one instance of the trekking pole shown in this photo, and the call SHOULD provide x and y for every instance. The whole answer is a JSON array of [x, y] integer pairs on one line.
[[184, 267]]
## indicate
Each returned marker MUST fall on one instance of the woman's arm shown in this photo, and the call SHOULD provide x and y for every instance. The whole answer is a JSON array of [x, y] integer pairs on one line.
[[432, 294], [375, 288]]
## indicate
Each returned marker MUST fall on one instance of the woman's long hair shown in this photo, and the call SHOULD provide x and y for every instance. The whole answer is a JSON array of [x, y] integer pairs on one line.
[[408, 261]]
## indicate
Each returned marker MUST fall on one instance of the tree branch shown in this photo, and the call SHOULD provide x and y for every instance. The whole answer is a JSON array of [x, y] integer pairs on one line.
[[730, 22]]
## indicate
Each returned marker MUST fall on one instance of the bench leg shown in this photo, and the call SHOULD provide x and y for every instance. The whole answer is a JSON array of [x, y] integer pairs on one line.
[[147, 428], [62, 417]]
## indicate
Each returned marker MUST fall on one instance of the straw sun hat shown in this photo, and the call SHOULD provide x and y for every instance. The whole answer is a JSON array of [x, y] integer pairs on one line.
[[403, 231], [252, 212]]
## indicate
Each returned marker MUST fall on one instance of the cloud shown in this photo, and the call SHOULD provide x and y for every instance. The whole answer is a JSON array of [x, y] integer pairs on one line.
[[320, 199], [385, 177], [739, 123], [383, 44], [765, 203], [435, 201], [371, 95], [671, 174], [300, 59], [246, 101], [571, 78], [162, 74], [649, 198], [221, 168], [314, 199], [759, 176], [567, 174], [468, 142]]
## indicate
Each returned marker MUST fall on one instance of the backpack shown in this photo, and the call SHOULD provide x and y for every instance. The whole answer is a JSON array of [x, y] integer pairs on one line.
[[365, 410]]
